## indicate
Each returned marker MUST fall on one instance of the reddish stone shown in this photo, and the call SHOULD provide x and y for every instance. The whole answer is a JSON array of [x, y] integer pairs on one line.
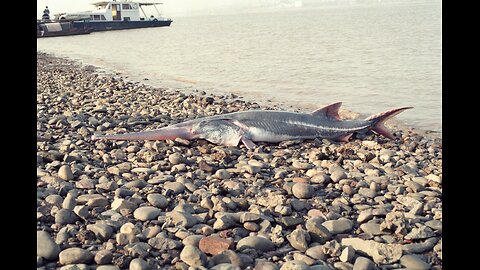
[[214, 244]]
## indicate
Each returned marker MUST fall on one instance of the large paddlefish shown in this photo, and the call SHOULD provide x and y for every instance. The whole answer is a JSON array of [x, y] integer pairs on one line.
[[266, 126]]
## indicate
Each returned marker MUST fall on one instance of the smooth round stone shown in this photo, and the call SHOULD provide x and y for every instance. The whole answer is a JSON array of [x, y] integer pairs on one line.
[[222, 174], [303, 190], [337, 226], [176, 159], [371, 228], [338, 175], [54, 199], [193, 256], [294, 265], [255, 242], [413, 261], [65, 172], [225, 266], [183, 219], [362, 263], [157, 200], [46, 247], [102, 231], [138, 264], [176, 187], [251, 226], [108, 267], [145, 213], [265, 266], [193, 240], [103, 257], [75, 256], [65, 216], [80, 266], [70, 202], [316, 252], [129, 228]]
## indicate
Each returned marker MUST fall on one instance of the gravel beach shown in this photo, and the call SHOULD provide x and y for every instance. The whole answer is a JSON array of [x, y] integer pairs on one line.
[[371, 203]]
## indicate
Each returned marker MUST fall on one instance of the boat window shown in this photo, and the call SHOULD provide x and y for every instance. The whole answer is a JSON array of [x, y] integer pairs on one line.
[[103, 18], [96, 17], [126, 6]]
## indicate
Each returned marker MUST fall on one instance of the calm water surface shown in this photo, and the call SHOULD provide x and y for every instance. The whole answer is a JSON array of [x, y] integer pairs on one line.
[[373, 57]]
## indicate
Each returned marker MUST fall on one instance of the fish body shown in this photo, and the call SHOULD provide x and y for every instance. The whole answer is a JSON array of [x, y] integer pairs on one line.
[[266, 126]]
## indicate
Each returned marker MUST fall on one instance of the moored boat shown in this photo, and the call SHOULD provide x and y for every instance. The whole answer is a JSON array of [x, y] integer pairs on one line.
[[63, 28], [118, 15]]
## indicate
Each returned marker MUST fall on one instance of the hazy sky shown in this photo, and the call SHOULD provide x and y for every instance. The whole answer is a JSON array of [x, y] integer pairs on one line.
[[170, 8]]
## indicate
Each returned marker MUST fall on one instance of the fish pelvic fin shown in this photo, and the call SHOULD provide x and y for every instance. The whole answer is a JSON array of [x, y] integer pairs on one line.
[[330, 111], [378, 121]]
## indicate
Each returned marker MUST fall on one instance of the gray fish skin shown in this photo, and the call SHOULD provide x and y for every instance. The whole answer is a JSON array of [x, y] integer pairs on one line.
[[266, 126]]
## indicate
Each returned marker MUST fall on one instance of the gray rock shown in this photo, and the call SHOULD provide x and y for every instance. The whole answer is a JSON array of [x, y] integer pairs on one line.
[[65, 173], [381, 253], [176, 159], [75, 256], [341, 225], [193, 256], [347, 254], [145, 213], [371, 228], [317, 231], [222, 174], [176, 187], [139, 264], [70, 201], [123, 205], [367, 192], [422, 247], [255, 242], [299, 239], [102, 231], [65, 216], [304, 258], [108, 267], [303, 190], [434, 224], [365, 215], [80, 266], [338, 175], [157, 200], [46, 247], [192, 240], [294, 265], [103, 257], [421, 232], [362, 263], [225, 266], [263, 265], [414, 262], [316, 252], [224, 222], [164, 244], [183, 219], [290, 221], [248, 216], [54, 199]]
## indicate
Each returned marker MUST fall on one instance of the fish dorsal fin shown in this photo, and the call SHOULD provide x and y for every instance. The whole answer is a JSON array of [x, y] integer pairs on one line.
[[330, 111]]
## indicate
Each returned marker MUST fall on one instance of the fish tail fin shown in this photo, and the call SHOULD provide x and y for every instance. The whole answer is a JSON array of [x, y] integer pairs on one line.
[[378, 121]]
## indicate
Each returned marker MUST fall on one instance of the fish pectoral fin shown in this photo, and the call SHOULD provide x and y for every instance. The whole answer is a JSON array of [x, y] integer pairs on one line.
[[248, 143], [344, 138]]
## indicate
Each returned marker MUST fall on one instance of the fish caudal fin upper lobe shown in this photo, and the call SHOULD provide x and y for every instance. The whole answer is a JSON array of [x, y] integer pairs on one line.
[[378, 121]]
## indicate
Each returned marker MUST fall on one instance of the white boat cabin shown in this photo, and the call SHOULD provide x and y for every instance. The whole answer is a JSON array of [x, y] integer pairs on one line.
[[115, 11]]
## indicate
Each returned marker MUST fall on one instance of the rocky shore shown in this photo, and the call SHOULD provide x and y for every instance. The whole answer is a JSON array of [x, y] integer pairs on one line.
[[371, 203]]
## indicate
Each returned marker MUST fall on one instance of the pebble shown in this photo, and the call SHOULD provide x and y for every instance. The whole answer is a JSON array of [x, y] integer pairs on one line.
[[176, 187], [294, 265], [193, 256], [214, 244], [157, 200], [316, 252], [139, 264], [255, 242], [75, 255], [303, 190], [183, 219], [103, 257], [108, 267], [46, 247], [413, 261], [362, 263], [65, 216], [347, 254], [145, 213], [338, 175], [102, 231], [299, 239], [65, 173], [341, 225]]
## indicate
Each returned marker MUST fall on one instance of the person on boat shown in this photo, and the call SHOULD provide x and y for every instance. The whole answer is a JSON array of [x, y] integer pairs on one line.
[[46, 14]]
